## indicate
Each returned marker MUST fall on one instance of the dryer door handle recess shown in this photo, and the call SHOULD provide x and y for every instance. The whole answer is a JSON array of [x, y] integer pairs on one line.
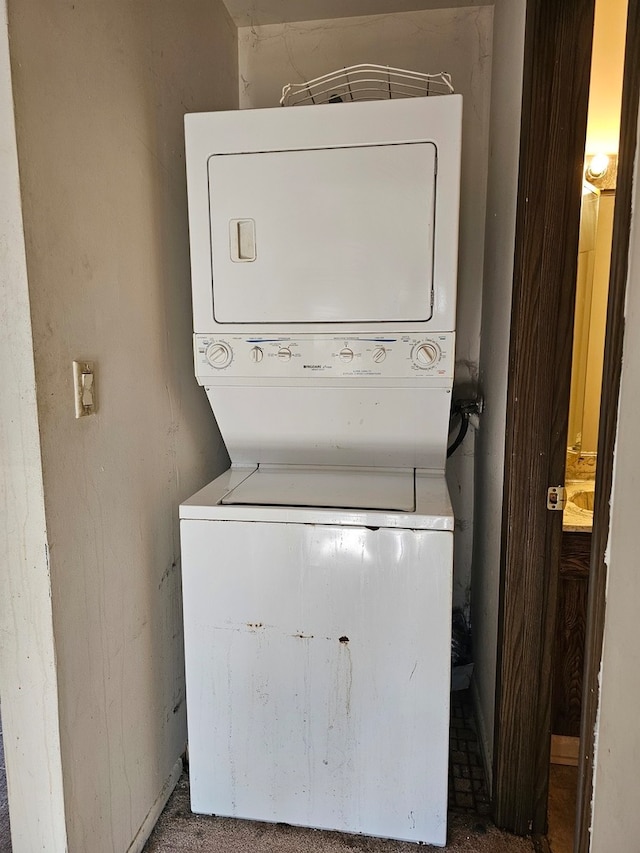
[[242, 240]]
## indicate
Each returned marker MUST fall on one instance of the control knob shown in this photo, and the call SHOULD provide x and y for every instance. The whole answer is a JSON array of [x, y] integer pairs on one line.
[[219, 355], [379, 354], [256, 354], [346, 354], [425, 355], [284, 354]]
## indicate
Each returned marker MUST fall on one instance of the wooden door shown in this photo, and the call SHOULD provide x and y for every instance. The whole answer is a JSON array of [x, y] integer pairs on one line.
[[556, 82], [557, 58]]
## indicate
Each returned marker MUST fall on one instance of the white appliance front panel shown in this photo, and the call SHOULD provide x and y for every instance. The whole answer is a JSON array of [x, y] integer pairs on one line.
[[318, 675], [338, 235], [416, 124], [417, 359], [366, 425]]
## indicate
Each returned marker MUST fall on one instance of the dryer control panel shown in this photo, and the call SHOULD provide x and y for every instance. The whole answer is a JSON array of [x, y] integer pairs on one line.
[[329, 357]]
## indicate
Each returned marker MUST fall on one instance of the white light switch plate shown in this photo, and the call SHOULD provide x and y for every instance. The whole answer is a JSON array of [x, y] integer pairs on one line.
[[84, 388]]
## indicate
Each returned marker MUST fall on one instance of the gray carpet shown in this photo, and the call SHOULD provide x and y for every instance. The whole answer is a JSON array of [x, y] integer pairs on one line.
[[5, 832], [179, 831]]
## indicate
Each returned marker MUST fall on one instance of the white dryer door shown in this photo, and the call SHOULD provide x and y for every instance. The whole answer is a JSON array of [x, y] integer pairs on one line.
[[323, 235]]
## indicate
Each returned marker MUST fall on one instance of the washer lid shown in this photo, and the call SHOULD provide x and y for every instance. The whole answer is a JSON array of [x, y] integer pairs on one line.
[[340, 488], [432, 505]]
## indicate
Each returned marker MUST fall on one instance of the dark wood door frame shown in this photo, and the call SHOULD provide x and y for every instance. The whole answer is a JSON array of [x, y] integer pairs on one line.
[[557, 62], [555, 94]]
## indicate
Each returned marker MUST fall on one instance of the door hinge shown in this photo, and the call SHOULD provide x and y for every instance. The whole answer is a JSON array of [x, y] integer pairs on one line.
[[556, 497]]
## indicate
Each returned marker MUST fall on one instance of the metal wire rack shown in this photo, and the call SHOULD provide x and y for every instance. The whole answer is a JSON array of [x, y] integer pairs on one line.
[[365, 83]]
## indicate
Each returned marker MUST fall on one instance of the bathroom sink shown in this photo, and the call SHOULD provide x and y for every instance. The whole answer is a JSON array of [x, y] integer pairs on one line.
[[583, 499]]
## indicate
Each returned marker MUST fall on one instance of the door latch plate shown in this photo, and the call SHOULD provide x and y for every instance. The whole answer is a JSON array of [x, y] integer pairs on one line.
[[556, 497]]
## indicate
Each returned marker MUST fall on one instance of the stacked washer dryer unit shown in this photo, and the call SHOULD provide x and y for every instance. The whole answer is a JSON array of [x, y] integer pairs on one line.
[[317, 570]]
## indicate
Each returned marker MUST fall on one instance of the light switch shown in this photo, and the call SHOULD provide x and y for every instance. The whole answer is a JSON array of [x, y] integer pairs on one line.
[[84, 386]]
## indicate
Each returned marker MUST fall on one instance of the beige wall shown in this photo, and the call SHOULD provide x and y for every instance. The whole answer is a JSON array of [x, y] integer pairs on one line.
[[28, 679], [616, 817], [603, 129], [453, 40], [259, 12], [504, 144], [100, 91], [605, 87]]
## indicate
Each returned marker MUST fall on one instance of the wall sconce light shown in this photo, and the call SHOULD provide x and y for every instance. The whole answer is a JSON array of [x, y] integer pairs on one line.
[[601, 170]]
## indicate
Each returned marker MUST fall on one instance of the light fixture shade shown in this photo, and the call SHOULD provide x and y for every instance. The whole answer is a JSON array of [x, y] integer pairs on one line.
[[601, 170]]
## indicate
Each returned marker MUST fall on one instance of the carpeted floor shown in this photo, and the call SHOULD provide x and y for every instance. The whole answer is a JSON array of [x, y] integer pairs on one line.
[[179, 831], [5, 831]]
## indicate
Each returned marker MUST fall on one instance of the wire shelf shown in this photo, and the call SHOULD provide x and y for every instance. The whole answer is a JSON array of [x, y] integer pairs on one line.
[[365, 83]]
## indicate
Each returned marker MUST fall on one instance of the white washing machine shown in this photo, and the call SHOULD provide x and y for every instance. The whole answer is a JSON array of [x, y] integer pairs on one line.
[[317, 571]]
